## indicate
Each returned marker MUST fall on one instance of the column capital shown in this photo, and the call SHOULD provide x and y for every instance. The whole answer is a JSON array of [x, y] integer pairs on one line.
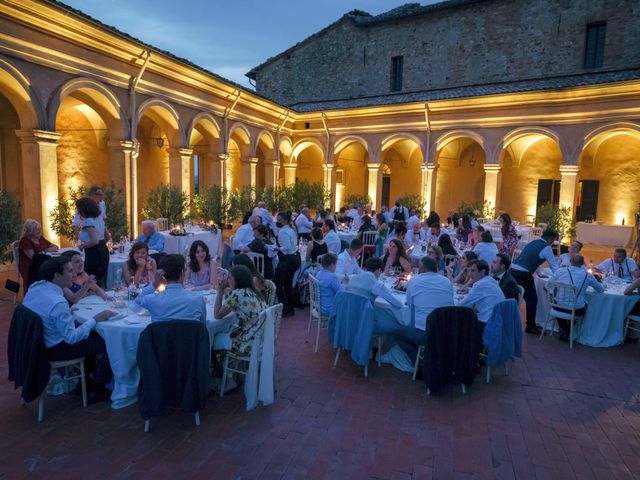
[[272, 162], [35, 136], [569, 169], [290, 166], [492, 167], [252, 160], [374, 167], [223, 157], [183, 152], [428, 167]]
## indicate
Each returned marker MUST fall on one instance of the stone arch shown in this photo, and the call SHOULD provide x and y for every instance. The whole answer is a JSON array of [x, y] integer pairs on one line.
[[264, 151], [609, 130], [308, 158], [302, 145], [448, 137], [97, 96], [203, 137], [206, 123], [263, 136], [17, 89], [403, 156], [166, 116], [391, 140], [348, 140], [531, 135], [285, 147], [241, 132]]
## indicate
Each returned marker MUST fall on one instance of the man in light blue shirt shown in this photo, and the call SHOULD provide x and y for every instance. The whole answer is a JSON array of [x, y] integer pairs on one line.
[[348, 260], [328, 282], [485, 292], [175, 303], [153, 239]]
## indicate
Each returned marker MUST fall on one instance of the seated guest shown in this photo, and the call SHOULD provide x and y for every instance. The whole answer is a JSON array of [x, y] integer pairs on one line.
[[353, 212], [463, 279], [201, 271], [476, 236], [317, 247], [435, 252], [176, 302], [82, 283], [386, 214], [414, 219], [396, 257], [62, 338], [500, 270], [366, 283], [244, 235], [464, 228], [259, 244], [357, 219], [32, 243], [383, 233], [425, 292], [433, 233], [153, 239], [445, 243], [577, 276], [140, 269], [417, 236], [365, 226], [452, 219], [433, 218], [303, 223], [486, 249], [328, 282], [485, 292], [266, 288], [619, 266], [331, 238], [241, 298], [399, 233], [262, 212], [574, 249], [348, 260]]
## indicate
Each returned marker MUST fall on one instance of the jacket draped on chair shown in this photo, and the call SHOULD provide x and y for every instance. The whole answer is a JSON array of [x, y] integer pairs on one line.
[[503, 333], [351, 324]]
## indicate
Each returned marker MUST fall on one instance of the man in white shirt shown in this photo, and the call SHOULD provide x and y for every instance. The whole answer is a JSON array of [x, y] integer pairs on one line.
[[348, 260], [262, 212], [577, 276], [485, 292], [62, 339], [386, 214], [425, 292], [619, 266], [331, 238], [304, 224], [413, 220], [96, 194], [353, 213], [244, 235], [574, 249], [289, 262], [417, 235], [433, 233]]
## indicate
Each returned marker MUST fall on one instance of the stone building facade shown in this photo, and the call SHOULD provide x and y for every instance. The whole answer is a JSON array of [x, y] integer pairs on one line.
[[455, 43], [82, 103]]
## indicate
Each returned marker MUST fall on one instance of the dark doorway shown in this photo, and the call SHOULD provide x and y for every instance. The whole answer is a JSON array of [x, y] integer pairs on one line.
[[548, 193], [386, 189], [587, 207]]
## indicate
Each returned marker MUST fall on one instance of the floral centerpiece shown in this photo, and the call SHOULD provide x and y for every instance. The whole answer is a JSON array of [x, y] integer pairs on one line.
[[178, 231], [209, 226]]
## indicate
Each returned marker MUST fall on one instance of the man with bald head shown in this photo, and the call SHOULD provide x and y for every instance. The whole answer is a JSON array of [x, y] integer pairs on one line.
[[244, 235], [153, 239], [303, 223]]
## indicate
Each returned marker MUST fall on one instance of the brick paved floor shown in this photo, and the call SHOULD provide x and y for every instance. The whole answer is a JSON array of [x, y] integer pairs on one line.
[[559, 414]]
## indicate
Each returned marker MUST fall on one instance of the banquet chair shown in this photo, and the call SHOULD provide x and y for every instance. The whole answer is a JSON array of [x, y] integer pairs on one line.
[[162, 224], [629, 326], [536, 232], [502, 336], [80, 375], [562, 304], [450, 260], [277, 316], [315, 313], [369, 245], [258, 260], [542, 225], [417, 362], [516, 253], [520, 294], [16, 259]]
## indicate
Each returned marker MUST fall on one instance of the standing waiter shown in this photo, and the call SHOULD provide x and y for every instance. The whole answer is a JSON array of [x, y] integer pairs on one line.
[[288, 263], [534, 254]]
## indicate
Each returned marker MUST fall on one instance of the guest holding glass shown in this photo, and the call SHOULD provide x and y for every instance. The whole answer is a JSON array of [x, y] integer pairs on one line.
[[140, 268], [31, 251], [317, 246], [82, 283], [396, 258], [201, 270], [92, 239], [509, 235]]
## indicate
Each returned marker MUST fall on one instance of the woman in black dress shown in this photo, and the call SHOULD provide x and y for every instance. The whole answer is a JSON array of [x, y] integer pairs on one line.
[[316, 247]]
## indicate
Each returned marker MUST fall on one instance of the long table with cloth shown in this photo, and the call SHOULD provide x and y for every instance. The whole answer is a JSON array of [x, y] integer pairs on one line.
[[600, 234], [181, 243], [603, 324], [524, 231], [121, 335]]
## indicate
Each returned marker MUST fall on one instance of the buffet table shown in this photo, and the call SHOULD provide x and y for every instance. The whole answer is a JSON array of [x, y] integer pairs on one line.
[[601, 234]]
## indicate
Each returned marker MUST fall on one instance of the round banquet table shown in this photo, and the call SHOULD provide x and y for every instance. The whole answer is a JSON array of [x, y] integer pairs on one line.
[[603, 324], [181, 244], [121, 338], [347, 235]]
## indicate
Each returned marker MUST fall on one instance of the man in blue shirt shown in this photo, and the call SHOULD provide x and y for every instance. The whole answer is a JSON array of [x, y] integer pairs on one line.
[[175, 303], [153, 239], [328, 282]]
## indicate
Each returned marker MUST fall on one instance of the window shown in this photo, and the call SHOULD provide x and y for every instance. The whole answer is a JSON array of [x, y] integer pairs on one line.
[[548, 193], [196, 174], [594, 47], [396, 73]]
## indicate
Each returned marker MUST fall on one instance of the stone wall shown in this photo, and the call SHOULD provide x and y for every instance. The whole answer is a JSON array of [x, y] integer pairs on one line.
[[481, 43]]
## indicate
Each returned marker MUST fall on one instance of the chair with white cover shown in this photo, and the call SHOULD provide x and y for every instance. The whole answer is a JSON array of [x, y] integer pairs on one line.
[[542, 225], [516, 253], [16, 259], [536, 232], [496, 233], [562, 304], [632, 323], [258, 261], [76, 363], [315, 312], [162, 224], [368, 244]]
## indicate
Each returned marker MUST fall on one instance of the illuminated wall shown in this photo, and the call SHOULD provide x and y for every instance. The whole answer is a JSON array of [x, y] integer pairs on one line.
[[10, 171], [404, 160], [153, 162], [353, 161], [309, 165], [460, 174], [234, 167]]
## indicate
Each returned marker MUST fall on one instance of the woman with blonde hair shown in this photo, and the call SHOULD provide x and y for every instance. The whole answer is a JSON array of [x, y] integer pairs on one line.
[[31, 251]]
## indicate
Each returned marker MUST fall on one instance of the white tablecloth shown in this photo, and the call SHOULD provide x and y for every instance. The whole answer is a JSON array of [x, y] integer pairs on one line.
[[523, 230], [603, 324], [347, 236], [121, 338], [174, 244], [613, 235]]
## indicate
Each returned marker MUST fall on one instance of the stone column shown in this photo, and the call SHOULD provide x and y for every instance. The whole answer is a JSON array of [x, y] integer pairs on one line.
[[180, 168], [330, 183], [568, 186], [219, 169], [429, 186], [492, 184], [249, 167], [128, 150], [39, 176], [374, 185], [271, 173], [289, 174]]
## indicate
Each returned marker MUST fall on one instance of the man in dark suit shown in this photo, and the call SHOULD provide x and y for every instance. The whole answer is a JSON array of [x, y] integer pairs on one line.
[[500, 270]]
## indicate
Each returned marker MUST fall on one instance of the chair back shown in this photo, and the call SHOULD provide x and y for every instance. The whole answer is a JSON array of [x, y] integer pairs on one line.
[[258, 261], [277, 318], [271, 295], [562, 295], [543, 226], [16, 258], [314, 295], [162, 224], [520, 293], [351, 325], [319, 258], [537, 231], [496, 232], [450, 260], [369, 238], [502, 335], [516, 253]]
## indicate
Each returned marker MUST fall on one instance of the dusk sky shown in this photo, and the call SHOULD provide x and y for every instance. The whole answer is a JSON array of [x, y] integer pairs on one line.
[[226, 37]]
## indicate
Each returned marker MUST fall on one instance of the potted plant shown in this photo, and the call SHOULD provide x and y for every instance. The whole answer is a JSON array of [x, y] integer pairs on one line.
[[167, 201], [10, 223], [212, 205]]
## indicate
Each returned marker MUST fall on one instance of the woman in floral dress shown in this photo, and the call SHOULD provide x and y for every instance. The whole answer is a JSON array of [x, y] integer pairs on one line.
[[509, 235]]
